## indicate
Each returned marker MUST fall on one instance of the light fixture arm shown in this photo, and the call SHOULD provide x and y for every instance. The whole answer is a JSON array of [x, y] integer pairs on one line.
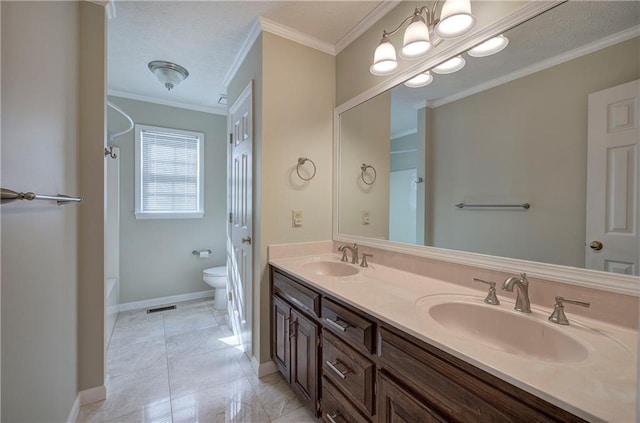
[[430, 18]]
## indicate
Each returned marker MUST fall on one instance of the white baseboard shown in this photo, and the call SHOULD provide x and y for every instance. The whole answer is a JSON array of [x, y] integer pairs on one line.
[[135, 305], [263, 369], [85, 397], [73, 415]]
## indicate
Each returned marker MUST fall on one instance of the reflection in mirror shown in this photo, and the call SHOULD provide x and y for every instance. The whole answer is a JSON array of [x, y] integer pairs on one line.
[[510, 128]]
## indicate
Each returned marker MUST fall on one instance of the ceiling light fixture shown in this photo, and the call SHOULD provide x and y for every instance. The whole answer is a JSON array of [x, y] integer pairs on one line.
[[420, 80], [450, 66], [423, 33], [168, 73], [489, 47]]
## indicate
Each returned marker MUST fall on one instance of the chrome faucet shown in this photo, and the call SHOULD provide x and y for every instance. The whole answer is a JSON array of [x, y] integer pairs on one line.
[[522, 298], [354, 252]]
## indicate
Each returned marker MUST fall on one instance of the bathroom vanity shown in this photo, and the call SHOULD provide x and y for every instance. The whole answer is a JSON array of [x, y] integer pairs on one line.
[[382, 345]]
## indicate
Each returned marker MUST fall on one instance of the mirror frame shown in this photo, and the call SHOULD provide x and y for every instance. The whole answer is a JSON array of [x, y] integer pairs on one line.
[[612, 282]]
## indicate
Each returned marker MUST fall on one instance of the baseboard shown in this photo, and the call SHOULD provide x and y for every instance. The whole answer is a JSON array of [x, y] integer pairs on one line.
[[263, 369], [73, 415], [85, 397], [135, 305]]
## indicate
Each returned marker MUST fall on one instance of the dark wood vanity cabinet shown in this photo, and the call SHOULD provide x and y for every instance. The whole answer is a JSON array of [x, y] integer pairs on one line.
[[295, 337], [351, 367]]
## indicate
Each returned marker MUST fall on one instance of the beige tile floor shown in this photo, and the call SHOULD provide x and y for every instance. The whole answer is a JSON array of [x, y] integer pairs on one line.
[[184, 366]]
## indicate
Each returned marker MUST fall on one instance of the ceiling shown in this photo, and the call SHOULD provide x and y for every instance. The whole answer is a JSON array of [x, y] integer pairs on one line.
[[206, 37]]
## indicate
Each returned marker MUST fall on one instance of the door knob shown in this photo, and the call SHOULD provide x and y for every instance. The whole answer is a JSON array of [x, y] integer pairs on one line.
[[246, 240], [596, 245]]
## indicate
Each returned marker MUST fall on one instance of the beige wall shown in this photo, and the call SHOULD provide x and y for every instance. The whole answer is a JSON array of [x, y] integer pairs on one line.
[[523, 141], [39, 239], [364, 138], [294, 101], [145, 243], [352, 64], [91, 120]]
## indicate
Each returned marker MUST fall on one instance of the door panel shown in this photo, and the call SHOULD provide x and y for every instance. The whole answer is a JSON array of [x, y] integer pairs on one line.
[[304, 353], [281, 354], [613, 191], [240, 229]]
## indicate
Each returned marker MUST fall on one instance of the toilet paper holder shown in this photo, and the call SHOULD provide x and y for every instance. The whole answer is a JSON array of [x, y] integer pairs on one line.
[[198, 252]]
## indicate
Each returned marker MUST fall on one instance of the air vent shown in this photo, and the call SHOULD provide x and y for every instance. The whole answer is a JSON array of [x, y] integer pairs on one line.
[[159, 309], [222, 99]]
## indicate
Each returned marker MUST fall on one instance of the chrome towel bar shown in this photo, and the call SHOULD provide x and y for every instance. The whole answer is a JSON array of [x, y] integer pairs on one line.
[[525, 206], [9, 195]]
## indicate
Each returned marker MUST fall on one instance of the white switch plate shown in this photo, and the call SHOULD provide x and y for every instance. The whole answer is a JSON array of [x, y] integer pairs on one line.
[[365, 218], [296, 217]]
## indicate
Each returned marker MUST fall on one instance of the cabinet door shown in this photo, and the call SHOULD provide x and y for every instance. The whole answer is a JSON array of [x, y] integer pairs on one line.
[[395, 405], [280, 345], [304, 357]]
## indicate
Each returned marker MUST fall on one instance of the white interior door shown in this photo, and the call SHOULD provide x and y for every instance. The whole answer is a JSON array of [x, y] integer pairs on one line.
[[240, 254], [613, 191]]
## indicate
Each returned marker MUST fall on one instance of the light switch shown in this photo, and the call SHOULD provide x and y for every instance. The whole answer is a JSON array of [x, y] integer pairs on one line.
[[296, 216], [365, 218]]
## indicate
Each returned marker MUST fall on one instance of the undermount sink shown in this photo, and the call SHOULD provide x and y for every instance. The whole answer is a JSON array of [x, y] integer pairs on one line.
[[509, 331], [330, 268]]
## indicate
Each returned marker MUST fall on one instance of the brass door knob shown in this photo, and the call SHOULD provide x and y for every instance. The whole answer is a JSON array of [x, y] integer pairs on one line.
[[246, 240], [596, 245]]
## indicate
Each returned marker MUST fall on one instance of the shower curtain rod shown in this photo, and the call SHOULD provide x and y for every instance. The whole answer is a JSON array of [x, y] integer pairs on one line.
[[123, 113]]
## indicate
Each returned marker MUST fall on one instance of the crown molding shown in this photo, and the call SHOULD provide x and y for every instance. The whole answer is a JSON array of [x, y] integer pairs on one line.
[[367, 22], [297, 36], [546, 64], [222, 110], [253, 35], [110, 8]]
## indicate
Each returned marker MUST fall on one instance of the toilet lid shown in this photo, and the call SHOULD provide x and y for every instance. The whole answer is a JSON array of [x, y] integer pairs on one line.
[[216, 271]]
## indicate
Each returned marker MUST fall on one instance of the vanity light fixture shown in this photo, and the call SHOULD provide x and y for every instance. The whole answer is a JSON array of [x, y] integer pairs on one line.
[[455, 20], [420, 80], [168, 73], [450, 66], [489, 47]]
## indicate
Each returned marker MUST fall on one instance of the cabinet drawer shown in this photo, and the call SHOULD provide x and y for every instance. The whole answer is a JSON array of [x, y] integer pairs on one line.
[[348, 370], [336, 408], [358, 331], [458, 391], [303, 297]]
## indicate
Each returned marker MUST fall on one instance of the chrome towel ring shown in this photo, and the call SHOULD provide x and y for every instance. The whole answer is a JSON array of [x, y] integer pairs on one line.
[[364, 168], [301, 162]]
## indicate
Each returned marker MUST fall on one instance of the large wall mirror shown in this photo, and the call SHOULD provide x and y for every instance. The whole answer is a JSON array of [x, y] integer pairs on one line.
[[493, 159]]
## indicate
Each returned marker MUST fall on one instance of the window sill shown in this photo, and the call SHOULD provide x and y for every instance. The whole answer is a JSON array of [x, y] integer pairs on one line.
[[177, 215]]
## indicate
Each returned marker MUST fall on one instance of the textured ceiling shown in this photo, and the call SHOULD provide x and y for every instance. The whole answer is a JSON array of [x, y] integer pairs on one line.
[[205, 37]]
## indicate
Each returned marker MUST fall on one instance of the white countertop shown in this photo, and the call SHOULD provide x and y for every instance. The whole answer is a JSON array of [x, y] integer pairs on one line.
[[600, 388]]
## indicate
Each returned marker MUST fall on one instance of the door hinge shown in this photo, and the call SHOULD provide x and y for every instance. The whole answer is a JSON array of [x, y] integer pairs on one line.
[[230, 138], [318, 405], [230, 217], [319, 342], [230, 295]]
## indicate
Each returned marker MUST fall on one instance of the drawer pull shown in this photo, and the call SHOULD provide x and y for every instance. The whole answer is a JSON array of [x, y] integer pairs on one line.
[[333, 418], [341, 373], [338, 324]]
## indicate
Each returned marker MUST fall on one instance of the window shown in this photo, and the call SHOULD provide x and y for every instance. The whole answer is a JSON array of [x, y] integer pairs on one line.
[[169, 173]]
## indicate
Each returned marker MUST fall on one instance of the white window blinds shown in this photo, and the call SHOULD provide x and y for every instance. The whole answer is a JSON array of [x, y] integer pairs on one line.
[[170, 174]]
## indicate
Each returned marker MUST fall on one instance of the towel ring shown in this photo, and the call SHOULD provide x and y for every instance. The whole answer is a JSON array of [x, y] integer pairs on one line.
[[302, 161], [364, 168]]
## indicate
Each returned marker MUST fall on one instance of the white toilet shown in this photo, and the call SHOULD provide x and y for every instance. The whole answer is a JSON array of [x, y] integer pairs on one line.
[[216, 277]]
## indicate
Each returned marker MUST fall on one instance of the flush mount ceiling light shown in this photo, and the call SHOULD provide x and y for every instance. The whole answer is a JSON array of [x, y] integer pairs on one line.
[[423, 32], [489, 47], [168, 73], [420, 80], [450, 66]]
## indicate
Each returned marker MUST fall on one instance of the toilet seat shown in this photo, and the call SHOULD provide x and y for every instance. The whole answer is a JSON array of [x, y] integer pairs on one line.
[[216, 271]]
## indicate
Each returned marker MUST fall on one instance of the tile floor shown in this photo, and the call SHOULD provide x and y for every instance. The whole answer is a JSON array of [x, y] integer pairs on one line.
[[183, 366]]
